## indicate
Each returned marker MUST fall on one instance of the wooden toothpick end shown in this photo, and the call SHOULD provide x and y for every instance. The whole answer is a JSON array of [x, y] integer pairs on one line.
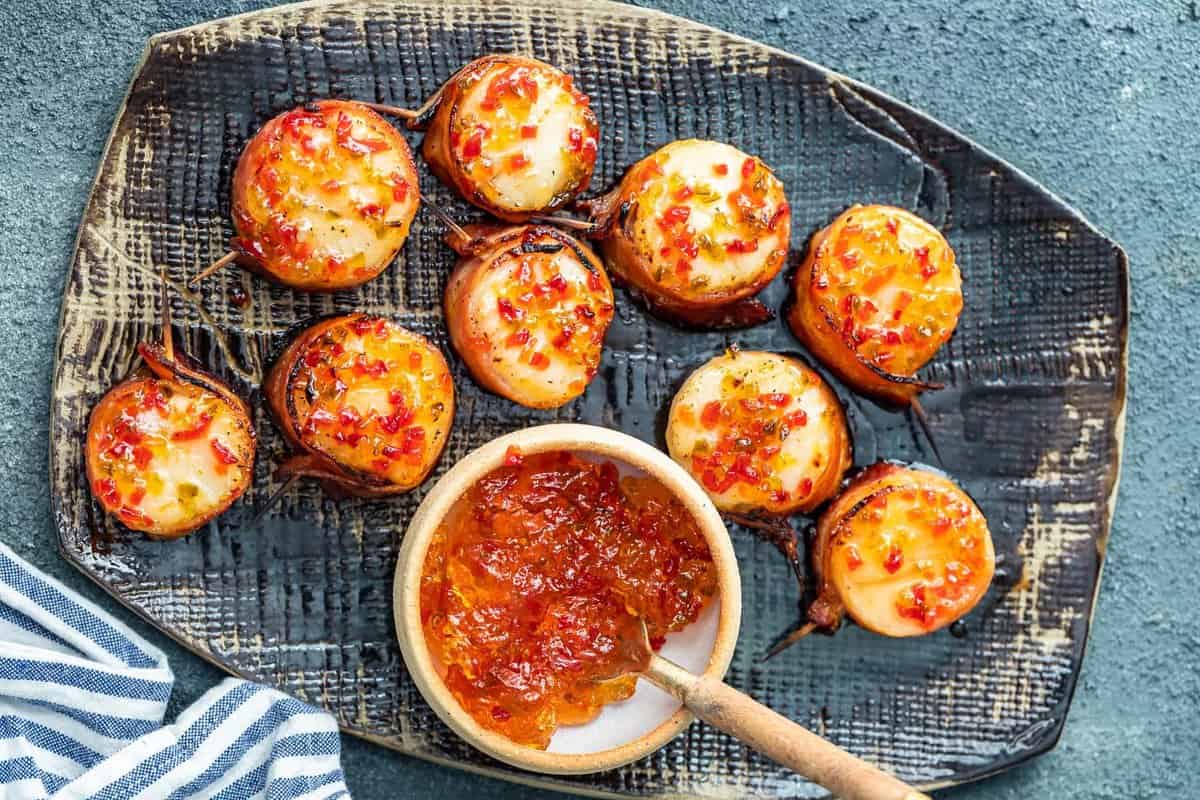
[[261, 513], [790, 639], [445, 218], [575, 224], [919, 412], [168, 335], [392, 111], [214, 268]]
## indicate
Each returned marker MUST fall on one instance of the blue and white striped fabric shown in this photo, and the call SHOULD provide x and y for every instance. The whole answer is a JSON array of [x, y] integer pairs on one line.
[[82, 700]]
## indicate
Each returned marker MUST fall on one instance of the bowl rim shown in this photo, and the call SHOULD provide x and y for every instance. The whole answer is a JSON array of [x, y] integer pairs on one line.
[[465, 473]]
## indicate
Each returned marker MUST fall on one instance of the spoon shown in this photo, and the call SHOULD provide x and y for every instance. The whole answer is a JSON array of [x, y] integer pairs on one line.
[[797, 748]]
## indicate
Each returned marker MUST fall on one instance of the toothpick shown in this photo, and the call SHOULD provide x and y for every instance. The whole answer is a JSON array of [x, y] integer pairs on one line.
[[261, 513], [791, 639], [168, 335], [919, 413], [445, 218], [394, 111], [586, 226], [215, 267]]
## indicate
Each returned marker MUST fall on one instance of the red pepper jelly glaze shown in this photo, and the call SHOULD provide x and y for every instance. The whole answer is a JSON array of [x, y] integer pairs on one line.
[[537, 577]]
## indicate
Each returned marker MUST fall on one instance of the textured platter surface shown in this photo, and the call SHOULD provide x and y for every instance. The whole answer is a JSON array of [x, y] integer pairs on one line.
[[1030, 422]]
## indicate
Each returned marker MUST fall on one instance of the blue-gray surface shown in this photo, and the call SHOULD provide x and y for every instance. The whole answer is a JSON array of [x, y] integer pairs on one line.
[[1097, 99]]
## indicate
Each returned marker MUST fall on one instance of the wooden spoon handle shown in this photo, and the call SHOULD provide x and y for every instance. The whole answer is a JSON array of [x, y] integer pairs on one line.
[[846, 776]]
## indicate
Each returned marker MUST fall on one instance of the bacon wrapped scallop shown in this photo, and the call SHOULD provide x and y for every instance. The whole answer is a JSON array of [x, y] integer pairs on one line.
[[527, 308], [878, 293], [170, 448], [323, 197], [366, 404], [696, 229], [512, 135], [902, 551], [762, 432]]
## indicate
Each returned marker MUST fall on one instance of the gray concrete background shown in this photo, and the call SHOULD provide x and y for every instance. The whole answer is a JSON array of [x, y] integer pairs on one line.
[[1096, 98]]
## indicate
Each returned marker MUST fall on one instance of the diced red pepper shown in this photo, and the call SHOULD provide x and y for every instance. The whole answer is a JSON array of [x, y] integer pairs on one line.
[[320, 416], [142, 456], [711, 414], [894, 560], [106, 490], [781, 212], [676, 215], [854, 558], [513, 457], [741, 246], [508, 312], [474, 145], [202, 423], [796, 419], [131, 516], [399, 187], [414, 441], [224, 455]]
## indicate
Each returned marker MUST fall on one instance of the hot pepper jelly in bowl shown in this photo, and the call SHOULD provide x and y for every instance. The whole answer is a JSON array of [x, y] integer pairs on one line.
[[527, 573]]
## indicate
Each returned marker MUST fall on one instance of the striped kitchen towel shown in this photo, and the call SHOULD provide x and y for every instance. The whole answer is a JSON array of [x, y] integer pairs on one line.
[[82, 699]]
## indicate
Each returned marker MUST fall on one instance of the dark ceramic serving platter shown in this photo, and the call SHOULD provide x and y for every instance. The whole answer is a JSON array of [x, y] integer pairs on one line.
[[1030, 421]]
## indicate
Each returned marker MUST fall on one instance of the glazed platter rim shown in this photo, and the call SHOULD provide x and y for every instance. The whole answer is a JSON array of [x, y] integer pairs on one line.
[[1101, 535]]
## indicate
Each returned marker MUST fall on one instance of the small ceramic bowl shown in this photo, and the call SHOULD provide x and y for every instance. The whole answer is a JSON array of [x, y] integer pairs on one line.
[[622, 732]]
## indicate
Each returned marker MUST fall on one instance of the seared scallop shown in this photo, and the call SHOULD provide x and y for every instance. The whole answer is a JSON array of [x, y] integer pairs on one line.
[[695, 228], [169, 449], [762, 432], [366, 404], [323, 196], [876, 297], [902, 551], [528, 308], [513, 136]]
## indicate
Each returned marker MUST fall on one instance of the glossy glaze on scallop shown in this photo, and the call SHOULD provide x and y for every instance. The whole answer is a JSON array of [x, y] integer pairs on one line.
[[527, 308], [513, 136], [902, 551], [762, 432], [876, 297], [169, 449], [367, 404], [696, 227], [323, 196]]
